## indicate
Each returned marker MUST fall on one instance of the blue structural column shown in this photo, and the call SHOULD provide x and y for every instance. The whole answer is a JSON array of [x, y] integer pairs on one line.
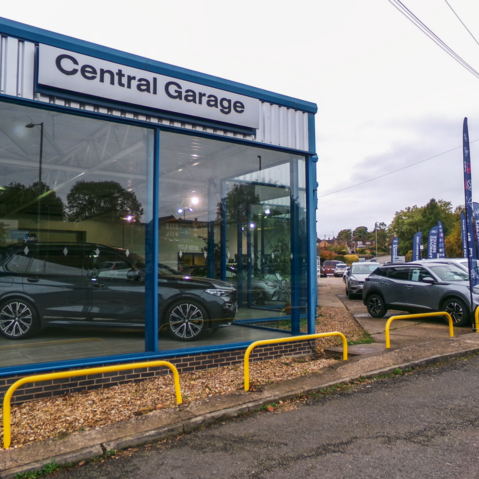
[[312, 205], [151, 250], [211, 228], [248, 255], [312, 200], [223, 232], [295, 250]]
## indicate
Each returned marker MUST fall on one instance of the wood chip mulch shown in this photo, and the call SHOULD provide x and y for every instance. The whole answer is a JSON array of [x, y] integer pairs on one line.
[[62, 415]]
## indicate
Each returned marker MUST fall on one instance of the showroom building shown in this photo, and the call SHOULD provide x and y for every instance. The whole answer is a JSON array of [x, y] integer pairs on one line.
[[146, 212]]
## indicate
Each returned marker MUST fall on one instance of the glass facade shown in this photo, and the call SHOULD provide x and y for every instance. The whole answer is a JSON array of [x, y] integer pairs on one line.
[[227, 213], [76, 216], [74, 197]]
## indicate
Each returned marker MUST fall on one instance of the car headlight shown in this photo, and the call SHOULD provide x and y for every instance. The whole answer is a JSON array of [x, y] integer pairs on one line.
[[218, 292], [353, 281], [475, 290]]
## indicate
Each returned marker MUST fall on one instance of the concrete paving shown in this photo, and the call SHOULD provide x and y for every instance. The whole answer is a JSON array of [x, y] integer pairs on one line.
[[414, 343], [402, 332]]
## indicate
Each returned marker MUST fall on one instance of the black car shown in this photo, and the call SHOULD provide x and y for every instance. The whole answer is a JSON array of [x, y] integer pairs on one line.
[[55, 284]]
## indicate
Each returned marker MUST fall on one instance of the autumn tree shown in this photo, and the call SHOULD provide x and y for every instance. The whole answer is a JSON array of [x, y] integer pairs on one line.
[[406, 223], [36, 199], [107, 200]]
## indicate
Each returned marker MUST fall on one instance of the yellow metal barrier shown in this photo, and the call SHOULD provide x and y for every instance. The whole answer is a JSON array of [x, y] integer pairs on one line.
[[424, 315], [71, 374], [286, 340], [476, 316]]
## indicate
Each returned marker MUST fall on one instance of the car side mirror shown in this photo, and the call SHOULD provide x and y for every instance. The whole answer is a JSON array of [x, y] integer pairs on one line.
[[428, 280]]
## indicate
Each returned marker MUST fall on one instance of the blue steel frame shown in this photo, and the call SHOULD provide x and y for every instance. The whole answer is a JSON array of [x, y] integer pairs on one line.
[[37, 35], [312, 205]]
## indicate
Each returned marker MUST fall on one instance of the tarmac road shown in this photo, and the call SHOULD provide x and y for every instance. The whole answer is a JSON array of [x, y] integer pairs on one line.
[[422, 424]]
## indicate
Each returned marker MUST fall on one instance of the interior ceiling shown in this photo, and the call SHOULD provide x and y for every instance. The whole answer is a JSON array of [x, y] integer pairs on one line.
[[76, 148]]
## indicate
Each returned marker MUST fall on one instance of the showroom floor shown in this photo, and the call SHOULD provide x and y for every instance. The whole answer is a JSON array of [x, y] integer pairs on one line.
[[66, 343]]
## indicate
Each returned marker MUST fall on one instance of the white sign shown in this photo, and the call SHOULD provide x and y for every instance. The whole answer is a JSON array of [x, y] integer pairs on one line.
[[91, 76], [399, 259]]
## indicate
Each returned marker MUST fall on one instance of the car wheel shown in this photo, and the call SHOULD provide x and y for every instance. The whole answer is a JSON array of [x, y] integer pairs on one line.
[[258, 297], [18, 319], [376, 306], [458, 311], [350, 295], [186, 320]]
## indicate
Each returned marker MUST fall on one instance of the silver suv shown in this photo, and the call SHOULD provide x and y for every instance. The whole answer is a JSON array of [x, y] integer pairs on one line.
[[421, 287], [356, 276]]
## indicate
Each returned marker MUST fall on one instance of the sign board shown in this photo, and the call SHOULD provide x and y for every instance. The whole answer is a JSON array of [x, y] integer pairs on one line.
[[399, 259], [70, 71]]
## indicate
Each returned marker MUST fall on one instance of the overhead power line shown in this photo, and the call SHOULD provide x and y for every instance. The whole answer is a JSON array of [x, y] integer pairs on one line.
[[463, 24], [427, 31], [394, 171]]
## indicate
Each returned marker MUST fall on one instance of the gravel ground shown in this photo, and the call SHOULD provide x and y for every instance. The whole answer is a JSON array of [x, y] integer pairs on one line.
[[59, 416]]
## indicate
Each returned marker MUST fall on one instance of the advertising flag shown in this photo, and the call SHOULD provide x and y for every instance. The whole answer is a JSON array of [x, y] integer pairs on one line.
[[463, 235], [441, 248], [432, 243], [471, 253], [416, 247], [394, 249], [475, 208]]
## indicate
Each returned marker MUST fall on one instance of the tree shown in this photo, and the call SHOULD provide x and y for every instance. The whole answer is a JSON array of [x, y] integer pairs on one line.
[[453, 242], [381, 234], [361, 234], [102, 199], [406, 223], [345, 235], [17, 200]]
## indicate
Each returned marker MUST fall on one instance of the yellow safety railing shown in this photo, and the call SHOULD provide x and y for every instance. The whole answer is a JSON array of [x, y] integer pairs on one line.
[[286, 340], [424, 315], [71, 374], [476, 317]]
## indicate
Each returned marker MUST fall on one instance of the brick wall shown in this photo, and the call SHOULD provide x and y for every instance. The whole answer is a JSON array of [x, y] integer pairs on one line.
[[192, 362]]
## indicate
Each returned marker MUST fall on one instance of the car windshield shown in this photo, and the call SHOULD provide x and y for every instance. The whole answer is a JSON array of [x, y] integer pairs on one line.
[[449, 272], [358, 268]]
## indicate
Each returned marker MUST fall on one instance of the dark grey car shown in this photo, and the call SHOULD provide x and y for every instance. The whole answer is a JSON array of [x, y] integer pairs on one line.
[[55, 284], [421, 287]]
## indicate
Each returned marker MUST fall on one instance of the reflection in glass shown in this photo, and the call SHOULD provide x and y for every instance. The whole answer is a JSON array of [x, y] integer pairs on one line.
[[241, 230], [73, 194]]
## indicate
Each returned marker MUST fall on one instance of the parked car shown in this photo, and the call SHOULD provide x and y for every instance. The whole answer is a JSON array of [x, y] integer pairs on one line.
[[421, 287], [461, 262], [328, 266], [262, 290], [339, 269], [345, 273], [57, 284], [356, 275]]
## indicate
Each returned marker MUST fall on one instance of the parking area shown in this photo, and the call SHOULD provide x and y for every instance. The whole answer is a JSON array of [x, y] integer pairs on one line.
[[331, 292]]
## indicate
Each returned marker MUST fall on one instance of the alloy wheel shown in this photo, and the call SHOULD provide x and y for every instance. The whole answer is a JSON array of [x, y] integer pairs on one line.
[[16, 319], [186, 321]]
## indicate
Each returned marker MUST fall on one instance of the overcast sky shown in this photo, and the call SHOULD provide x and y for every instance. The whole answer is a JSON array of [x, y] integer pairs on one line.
[[387, 96]]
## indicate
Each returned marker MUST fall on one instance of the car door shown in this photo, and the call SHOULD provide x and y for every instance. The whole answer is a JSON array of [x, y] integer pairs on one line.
[[393, 286], [56, 281], [115, 293], [420, 295]]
